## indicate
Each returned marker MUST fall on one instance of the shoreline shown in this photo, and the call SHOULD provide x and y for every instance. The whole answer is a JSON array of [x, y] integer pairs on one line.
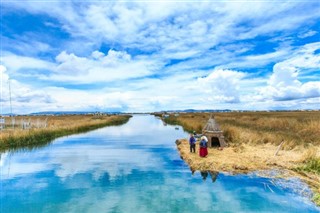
[[232, 161], [19, 139]]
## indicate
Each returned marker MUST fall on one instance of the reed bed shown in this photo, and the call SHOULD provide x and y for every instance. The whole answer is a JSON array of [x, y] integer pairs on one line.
[[296, 128], [254, 137], [57, 126]]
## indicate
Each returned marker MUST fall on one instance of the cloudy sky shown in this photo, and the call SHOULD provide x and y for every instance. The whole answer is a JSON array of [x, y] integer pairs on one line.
[[151, 56]]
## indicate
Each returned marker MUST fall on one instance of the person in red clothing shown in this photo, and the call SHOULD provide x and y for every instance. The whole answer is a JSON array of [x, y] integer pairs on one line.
[[203, 152]]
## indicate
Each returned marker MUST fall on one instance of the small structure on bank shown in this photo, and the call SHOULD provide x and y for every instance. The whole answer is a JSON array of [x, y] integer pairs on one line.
[[2, 123], [214, 134]]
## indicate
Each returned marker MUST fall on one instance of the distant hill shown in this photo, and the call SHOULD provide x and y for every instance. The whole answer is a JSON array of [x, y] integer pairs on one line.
[[70, 113], [200, 110], [164, 111]]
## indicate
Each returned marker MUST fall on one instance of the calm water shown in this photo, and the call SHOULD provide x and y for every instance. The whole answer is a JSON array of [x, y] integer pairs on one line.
[[132, 168]]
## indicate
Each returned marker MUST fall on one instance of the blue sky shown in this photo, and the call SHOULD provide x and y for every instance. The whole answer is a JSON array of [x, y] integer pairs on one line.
[[162, 55]]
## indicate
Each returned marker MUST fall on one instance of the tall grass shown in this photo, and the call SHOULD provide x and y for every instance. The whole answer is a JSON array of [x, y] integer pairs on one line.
[[296, 128], [174, 121], [310, 162], [316, 198], [39, 137], [312, 165]]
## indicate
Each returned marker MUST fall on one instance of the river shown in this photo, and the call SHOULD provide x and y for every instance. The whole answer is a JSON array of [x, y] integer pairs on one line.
[[133, 168]]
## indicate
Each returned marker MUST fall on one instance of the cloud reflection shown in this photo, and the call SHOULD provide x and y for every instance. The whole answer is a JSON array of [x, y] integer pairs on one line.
[[130, 168], [111, 155]]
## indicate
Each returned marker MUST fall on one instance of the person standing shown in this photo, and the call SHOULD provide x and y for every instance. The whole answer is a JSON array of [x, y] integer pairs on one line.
[[203, 152], [192, 142]]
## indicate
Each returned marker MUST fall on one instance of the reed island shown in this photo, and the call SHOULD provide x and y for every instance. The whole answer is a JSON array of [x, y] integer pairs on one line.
[[257, 142]]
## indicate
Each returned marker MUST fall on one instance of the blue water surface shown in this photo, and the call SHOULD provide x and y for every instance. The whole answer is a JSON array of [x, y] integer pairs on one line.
[[131, 168]]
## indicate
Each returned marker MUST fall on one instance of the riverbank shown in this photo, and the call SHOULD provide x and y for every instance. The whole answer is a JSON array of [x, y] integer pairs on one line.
[[56, 126], [250, 159], [253, 140]]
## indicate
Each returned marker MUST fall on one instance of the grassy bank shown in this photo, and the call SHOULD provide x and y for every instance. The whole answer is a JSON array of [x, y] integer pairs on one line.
[[253, 138], [57, 126]]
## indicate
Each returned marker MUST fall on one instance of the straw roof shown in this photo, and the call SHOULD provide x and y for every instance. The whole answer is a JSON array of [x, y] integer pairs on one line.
[[211, 125]]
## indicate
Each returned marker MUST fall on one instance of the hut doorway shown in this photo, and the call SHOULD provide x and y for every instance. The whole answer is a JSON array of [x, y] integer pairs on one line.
[[215, 142]]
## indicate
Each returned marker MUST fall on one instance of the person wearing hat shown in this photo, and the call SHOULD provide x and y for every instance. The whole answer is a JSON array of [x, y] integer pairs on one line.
[[203, 152]]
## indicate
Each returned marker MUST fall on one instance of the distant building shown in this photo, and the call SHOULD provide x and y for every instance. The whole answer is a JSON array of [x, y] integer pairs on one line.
[[165, 115]]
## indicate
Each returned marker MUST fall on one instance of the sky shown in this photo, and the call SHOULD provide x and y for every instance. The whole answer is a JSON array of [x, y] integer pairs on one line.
[[147, 56]]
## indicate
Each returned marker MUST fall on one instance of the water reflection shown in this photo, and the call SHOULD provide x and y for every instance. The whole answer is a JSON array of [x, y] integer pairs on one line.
[[27, 148], [129, 168], [214, 176], [205, 174]]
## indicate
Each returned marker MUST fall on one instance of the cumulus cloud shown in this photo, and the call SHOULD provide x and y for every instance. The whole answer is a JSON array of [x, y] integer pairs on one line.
[[223, 85], [284, 83], [24, 97], [100, 67], [134, 56]]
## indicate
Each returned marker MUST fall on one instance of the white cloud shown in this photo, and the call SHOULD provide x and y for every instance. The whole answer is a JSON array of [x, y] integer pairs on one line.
[[116, 65], [3, 69], [284, 83], [223, 85], [159, 51], [29, 44], [15, 62], [307, 34], [283, 76], [24, 96], [188, 26]]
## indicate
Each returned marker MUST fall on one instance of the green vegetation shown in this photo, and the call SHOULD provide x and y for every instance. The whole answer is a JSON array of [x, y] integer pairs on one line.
[[312, 165], [316, 198], [36, 138]]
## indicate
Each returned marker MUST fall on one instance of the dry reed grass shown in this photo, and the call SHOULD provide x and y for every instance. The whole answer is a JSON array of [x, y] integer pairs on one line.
[[56, 126], [245, 158], [53, 123], [296, 128], [299, 131], [253, 139]]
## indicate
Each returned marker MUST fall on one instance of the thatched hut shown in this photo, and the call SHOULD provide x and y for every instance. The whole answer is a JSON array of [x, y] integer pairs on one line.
[[212, 131]]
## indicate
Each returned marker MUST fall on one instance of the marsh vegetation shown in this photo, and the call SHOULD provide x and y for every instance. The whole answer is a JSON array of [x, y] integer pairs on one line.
[[254, 137], [57, 126]]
